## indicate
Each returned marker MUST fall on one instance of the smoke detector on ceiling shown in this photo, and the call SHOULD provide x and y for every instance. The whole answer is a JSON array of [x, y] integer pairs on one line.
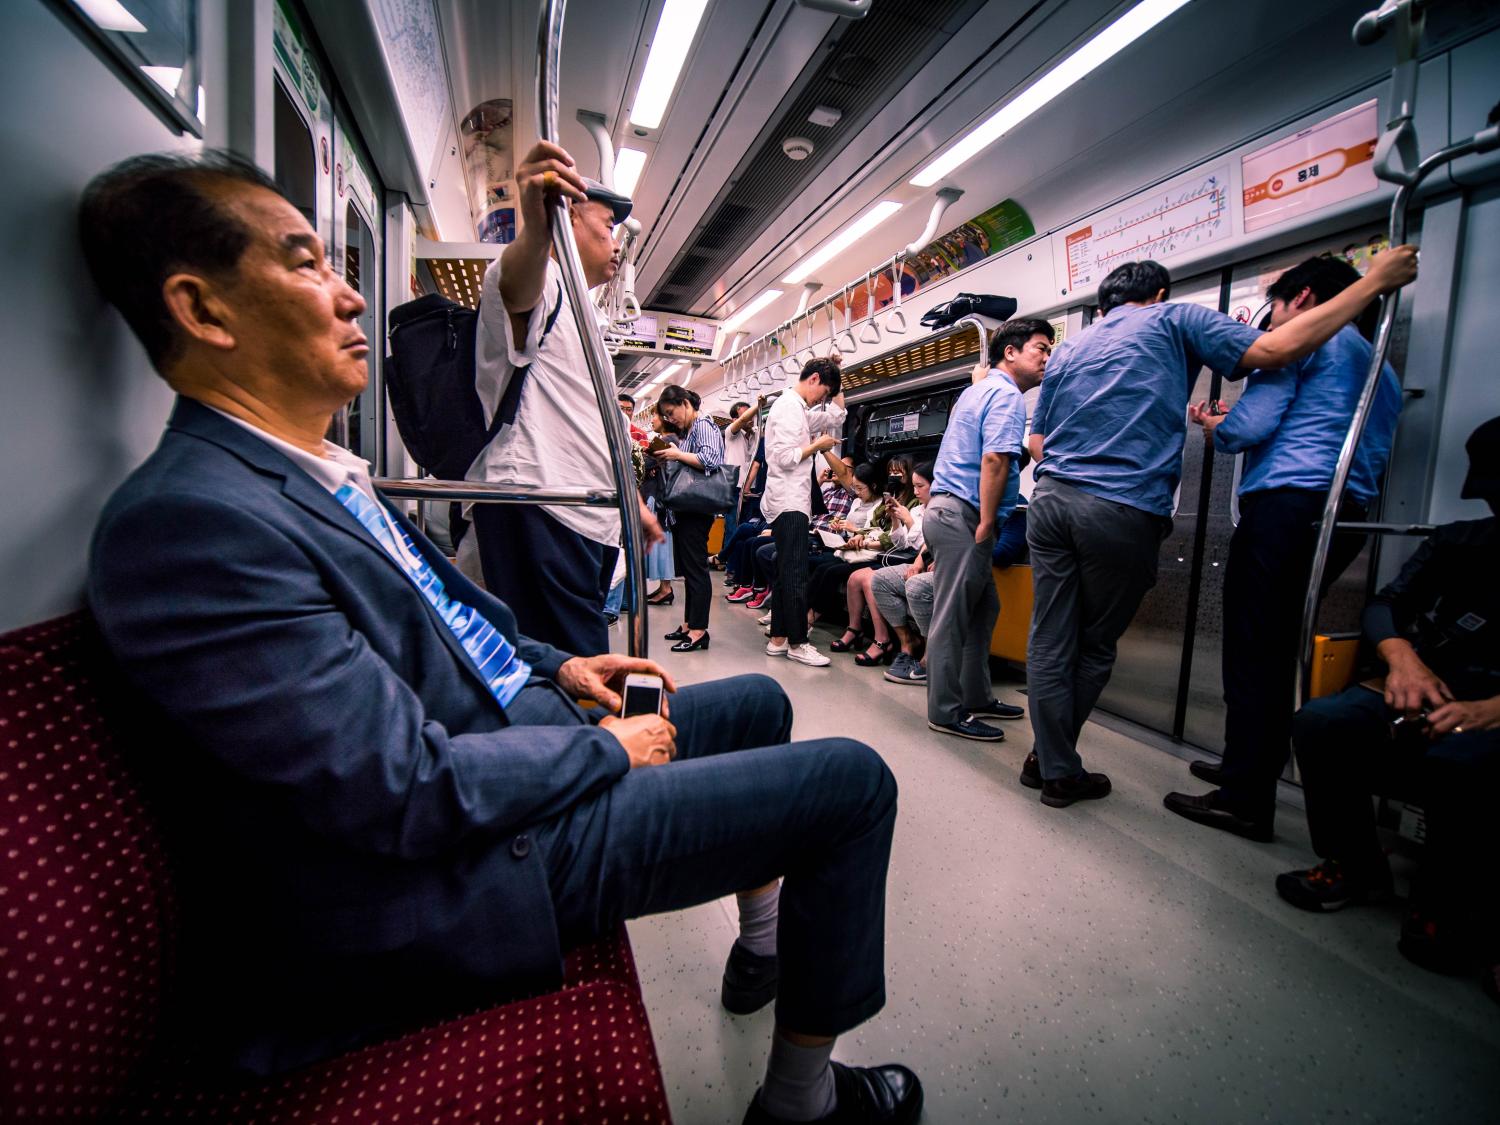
[[797, 148]]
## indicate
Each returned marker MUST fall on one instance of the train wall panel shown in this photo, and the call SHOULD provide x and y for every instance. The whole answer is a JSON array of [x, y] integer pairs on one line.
[[82, 405]]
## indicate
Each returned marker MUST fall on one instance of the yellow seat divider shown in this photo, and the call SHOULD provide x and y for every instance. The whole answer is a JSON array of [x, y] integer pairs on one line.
[[1008, 641], [1333, 665]]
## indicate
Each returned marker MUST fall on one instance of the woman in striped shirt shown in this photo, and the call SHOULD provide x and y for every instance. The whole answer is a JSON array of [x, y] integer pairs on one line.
[[701, 448]]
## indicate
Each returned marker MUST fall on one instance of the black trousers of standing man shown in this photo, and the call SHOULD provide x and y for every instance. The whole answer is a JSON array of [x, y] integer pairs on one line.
[[789, 591], [1265, 584]]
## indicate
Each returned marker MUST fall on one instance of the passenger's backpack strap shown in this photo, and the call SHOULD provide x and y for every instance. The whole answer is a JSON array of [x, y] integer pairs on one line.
[[510, 402]]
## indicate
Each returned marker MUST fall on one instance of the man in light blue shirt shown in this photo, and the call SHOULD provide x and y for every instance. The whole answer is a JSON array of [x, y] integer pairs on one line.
[[1290, 426], [974, 488], [1108, 433]]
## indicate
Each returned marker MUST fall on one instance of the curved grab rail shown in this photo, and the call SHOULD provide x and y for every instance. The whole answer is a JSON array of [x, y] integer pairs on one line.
[[601, 370], [1483, 141]]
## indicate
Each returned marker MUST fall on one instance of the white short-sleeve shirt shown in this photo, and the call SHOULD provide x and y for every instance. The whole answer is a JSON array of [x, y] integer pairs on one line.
[[558, 439]]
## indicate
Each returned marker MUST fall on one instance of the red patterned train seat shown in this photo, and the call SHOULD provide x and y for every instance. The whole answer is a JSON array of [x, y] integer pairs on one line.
[[86, 932]]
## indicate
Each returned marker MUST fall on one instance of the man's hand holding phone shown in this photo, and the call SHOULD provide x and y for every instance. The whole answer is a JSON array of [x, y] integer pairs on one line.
[[649, 740], [642, 727]]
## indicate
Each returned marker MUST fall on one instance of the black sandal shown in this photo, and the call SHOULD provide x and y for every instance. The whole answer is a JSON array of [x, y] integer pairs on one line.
[[842, 645], [887, 656]]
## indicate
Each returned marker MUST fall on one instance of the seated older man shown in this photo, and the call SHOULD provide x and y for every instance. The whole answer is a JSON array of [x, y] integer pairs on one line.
[[391, 798]]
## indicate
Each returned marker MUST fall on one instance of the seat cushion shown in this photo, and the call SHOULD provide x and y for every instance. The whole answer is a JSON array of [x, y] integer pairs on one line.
[[581, 1054], [85, 900]]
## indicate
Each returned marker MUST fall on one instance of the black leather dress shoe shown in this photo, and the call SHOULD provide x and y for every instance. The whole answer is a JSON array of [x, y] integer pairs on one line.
[[677, 634], [890, 1095], [1207, 771], [687, 644], [1203, 810], [1084, 787], [749, 980], [1031, 772]]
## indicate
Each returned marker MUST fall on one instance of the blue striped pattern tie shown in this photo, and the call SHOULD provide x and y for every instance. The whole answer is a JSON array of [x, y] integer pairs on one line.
[[495, 657]]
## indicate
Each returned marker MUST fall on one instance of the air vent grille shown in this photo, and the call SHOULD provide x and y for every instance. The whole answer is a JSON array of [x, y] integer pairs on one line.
[[869, 60], [459, 279], [938, 350]]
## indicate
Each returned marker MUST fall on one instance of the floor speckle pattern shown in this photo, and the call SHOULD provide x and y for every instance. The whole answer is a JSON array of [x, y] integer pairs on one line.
[[1108, 962]]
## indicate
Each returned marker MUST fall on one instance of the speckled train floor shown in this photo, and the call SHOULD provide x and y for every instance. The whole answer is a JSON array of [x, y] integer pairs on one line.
[[1108, 962]]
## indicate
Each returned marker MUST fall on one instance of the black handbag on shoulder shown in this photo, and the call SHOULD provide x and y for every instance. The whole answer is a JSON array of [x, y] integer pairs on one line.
[[969, 304], [695, 492]]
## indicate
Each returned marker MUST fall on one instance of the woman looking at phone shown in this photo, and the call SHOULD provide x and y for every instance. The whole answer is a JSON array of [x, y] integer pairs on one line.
[[701, 448]]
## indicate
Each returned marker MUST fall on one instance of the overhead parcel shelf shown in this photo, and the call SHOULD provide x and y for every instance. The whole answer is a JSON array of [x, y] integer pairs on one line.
[[454, 269], [943, 348]]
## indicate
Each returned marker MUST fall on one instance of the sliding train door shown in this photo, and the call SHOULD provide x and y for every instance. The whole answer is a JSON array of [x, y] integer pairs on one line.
[[323, 170]]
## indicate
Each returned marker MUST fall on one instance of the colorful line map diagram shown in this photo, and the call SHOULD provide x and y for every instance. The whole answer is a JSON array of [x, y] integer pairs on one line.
[[1157, 224]]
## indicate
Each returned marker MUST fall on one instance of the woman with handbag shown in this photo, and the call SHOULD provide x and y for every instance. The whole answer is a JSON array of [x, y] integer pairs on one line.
[[700, 452]]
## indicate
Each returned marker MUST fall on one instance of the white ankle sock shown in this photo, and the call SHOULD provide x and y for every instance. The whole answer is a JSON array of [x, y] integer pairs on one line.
[[799, 1081], [758, 921]]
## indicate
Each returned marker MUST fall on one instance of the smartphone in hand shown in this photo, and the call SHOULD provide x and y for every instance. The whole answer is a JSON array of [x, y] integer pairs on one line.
[[643, 695]]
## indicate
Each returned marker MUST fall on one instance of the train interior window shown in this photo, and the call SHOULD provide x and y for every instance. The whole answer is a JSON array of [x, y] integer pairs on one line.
[[1147, 674], [296, 156]]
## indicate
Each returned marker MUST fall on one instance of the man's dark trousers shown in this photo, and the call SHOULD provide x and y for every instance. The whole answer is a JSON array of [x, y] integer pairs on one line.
[[820, 813], [789, 591], [1346, 752], [1265, 584], [1092, 561], [554, 580], [965, 608]]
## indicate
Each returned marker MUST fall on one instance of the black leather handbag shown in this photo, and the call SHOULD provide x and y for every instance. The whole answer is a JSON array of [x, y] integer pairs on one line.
[[695, 492]]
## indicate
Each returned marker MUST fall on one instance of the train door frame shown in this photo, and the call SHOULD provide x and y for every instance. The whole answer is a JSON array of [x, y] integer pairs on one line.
[[357, 190]]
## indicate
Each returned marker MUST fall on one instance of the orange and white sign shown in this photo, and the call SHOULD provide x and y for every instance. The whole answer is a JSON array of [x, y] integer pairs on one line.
[[1332, 160]]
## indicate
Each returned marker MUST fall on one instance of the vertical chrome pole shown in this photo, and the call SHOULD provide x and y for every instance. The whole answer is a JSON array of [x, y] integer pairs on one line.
[[1484, 141], [601, 369]]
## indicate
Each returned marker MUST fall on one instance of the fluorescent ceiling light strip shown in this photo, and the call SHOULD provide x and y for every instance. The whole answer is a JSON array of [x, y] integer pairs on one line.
[[628, 165], [844, 239], [1088, 58], [669, 50], [745, 312], [167, 77], [110, 15]]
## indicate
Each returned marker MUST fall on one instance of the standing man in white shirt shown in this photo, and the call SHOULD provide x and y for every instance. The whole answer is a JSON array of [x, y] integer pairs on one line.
[[552, 564], [786, 503]]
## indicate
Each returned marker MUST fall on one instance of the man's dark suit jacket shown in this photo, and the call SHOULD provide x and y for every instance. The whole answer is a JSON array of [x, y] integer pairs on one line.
[[353, 798]]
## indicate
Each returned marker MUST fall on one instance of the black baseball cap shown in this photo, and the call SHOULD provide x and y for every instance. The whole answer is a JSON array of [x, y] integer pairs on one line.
[[1483, 481], [617, 203]]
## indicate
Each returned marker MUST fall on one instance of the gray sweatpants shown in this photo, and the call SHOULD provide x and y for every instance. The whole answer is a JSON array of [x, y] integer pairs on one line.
[[899, 598], [964, 609], [1092, 561]]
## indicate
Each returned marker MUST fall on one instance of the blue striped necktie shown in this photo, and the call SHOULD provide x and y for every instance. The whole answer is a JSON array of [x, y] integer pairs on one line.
[[495, 657]]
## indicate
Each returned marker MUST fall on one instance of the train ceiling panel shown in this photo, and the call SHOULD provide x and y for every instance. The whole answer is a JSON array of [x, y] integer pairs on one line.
[[857, 66]]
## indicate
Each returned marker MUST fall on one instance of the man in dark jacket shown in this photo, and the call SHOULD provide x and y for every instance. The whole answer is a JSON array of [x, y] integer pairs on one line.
[[388, 798], [1432, 723]]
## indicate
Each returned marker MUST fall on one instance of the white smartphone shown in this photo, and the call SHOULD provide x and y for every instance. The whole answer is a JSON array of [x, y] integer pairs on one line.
[[643, 695]]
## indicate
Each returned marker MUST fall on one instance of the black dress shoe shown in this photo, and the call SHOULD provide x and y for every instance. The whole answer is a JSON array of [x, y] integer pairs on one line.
[[1207, 771], [1204, 810], [1081, 787], [1031, 773], [994, 709], [749, 980], [885, 1094], [688, 645], [678, 634]]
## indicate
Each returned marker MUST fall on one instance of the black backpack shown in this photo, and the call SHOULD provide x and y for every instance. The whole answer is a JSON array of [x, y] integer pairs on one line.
[[429, 377], [967, 304]]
